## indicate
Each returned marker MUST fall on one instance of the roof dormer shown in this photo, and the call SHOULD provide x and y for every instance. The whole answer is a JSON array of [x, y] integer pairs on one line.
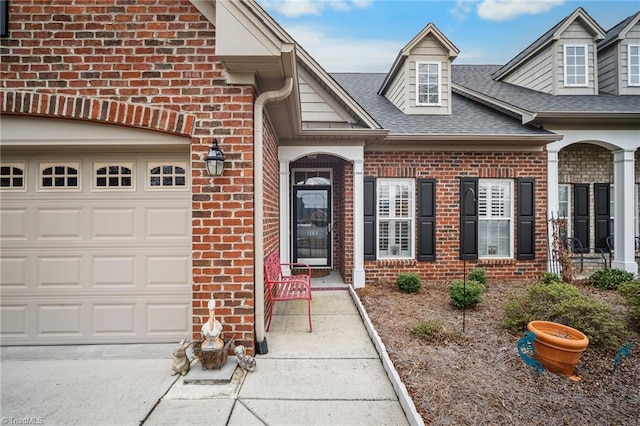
[[564, 61], [619, 58], [419, 81]]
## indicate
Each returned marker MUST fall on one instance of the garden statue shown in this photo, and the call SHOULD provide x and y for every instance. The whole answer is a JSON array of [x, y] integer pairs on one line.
[[247, 362], [211, 330], [181, 363]]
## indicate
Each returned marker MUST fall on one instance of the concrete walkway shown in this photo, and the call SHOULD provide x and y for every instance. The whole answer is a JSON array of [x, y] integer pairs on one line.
[[331, 376]]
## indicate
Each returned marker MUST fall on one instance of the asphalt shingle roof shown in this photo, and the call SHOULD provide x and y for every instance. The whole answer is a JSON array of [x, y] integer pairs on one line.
[[479, 79], [468, 117]]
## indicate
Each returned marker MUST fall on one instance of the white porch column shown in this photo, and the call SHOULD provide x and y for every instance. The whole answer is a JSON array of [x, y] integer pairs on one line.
[[552, 194], [285, 215], [623, 182], [358, 224]]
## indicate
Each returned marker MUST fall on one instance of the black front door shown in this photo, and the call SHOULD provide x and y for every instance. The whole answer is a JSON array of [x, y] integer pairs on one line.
[[312, 225]]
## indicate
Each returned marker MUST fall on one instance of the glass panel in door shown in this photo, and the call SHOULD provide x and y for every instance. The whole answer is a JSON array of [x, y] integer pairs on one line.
[[312, 225]]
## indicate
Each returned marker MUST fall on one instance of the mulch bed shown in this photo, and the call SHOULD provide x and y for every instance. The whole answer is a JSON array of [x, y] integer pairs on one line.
[[483, 380]]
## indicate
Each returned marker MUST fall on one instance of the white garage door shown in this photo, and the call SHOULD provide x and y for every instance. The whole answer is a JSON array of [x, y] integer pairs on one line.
[[95, 246]]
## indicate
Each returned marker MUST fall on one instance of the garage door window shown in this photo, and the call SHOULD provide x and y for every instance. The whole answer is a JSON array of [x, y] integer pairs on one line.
[[62, 176], [12, 177], [113, 176], [164, 176]]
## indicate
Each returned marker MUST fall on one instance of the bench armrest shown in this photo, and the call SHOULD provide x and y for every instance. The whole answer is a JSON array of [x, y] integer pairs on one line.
[[299, 264]]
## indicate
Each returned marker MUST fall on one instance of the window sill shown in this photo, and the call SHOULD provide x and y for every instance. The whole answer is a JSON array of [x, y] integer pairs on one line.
[[397, 262], [502, 261]]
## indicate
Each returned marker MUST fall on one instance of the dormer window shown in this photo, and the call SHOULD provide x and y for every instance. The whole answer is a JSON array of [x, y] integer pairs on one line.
[[428, 83], [634, 65], [575, 65]]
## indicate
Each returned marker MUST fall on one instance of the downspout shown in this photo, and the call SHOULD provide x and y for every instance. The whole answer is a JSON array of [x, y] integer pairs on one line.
[[258, 202]]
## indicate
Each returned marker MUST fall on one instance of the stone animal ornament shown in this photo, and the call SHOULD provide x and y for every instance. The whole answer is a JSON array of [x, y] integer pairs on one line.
[[181, 362], [245, 361]]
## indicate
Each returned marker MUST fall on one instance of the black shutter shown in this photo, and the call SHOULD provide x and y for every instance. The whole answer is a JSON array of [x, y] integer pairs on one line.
[[468, 218], [601, 193], [526, 219], [581, 214], [427, 220], [369, 218]]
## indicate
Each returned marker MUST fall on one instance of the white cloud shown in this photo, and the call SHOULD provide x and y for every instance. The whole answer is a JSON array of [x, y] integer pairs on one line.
[[336, 54], [462, 9], [295, 8], [503, 10]]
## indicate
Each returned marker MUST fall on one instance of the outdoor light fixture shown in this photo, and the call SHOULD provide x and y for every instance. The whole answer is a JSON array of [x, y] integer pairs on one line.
[[215, 160]]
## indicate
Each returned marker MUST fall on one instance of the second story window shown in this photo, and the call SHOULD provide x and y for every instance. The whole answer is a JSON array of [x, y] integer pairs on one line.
[[575, 65], [634, 65], [428, 83]]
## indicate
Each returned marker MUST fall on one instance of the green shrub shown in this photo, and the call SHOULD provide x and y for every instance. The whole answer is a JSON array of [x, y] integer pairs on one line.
[[433, 331], [630, 292], [466, 295], [609, 279], [479, 275], [550, 277], [563, 303], [409, 282]]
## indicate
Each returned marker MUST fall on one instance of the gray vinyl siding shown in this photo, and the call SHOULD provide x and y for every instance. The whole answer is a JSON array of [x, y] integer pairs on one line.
[[575, 34], [397, 92], [314, 108], [607, 70], [536, 73], [632, 38], [428, 50]]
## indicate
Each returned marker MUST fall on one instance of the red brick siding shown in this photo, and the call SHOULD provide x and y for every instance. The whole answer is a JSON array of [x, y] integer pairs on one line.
[[150, 64], [447, 168], [271, 196]]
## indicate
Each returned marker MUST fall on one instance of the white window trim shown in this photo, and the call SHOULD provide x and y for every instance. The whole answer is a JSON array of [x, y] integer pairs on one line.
[[637, 46], [586, 65], [511, 220], [152, 164], [412, 218], [20, 165], [99, 164], [439, 65], [74, 164], [569, 211]]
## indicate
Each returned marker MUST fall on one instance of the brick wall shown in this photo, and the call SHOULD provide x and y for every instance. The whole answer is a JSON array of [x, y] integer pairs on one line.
[[150, 64], [447, 168]]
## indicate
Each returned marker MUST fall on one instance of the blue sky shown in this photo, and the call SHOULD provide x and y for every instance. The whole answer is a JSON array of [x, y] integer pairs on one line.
[[366, 35]]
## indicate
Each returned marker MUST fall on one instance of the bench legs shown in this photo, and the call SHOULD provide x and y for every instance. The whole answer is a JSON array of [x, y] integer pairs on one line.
[[308, 313]]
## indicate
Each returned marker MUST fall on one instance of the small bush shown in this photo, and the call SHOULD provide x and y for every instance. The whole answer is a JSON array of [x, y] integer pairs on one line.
[[564, 304], [409, 282], [630, 293], [466, 296], [550, 277], [479, 275], [433, 332], [609, 279]]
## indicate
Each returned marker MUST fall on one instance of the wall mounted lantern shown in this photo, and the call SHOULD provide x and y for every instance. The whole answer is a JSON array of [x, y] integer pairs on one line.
[[215, 160]]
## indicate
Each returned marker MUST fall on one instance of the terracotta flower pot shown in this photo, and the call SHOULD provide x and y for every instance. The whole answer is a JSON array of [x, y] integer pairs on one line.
[[558, 347]]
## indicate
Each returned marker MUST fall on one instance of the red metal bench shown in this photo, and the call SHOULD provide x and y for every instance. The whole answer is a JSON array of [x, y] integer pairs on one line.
[[282, 288]]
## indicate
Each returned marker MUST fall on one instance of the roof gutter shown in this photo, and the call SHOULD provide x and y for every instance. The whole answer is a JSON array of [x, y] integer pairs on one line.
[[258, 200]]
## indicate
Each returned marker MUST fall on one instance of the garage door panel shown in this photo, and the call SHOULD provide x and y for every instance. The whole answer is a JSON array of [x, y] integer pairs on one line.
[[166, 319], [13, 273], [114, 320], [14, 321], [117, 272], [59, 272], [60, 223], [168, 271], [167, 223], [59, 320], [112, 223], [13, 223]]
